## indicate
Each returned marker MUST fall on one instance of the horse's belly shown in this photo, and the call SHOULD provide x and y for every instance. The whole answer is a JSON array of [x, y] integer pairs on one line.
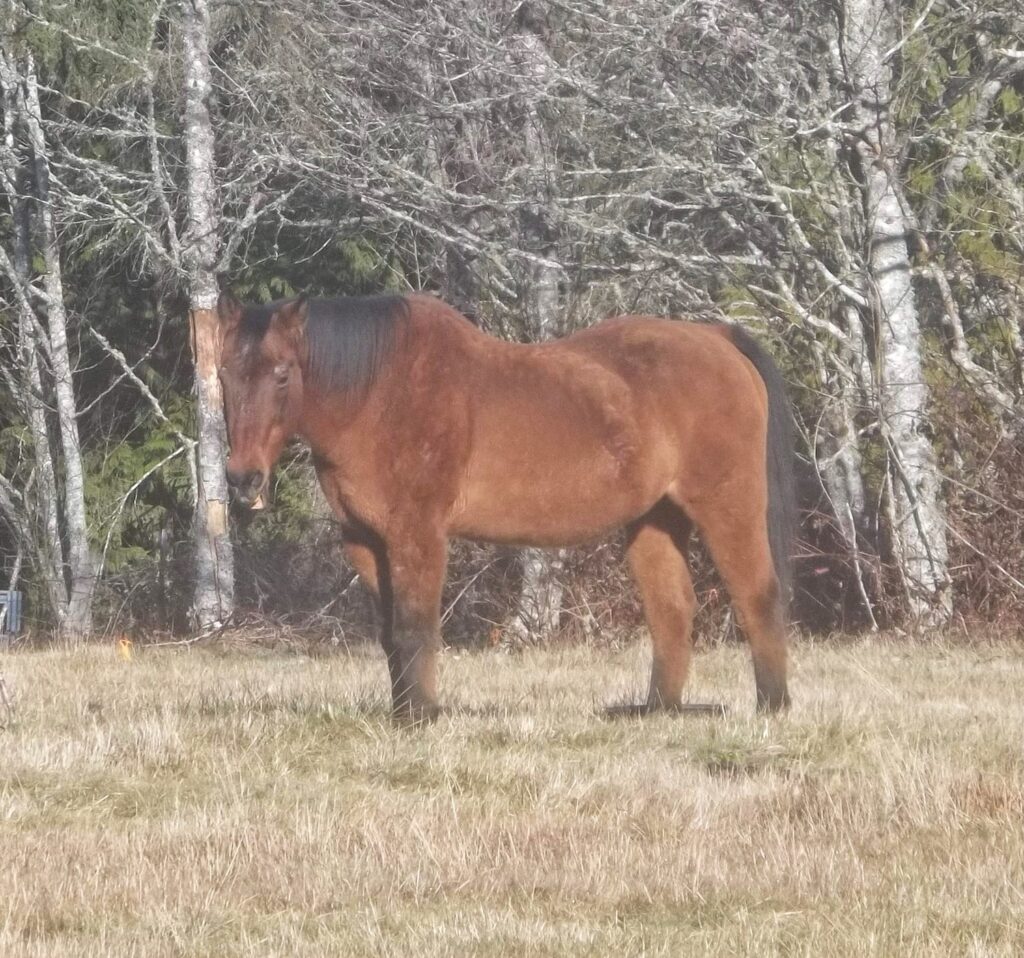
[[561, 453], [572, 502]]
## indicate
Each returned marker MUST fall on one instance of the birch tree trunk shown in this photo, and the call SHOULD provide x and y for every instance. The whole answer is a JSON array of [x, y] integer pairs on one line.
[[45, 543], [214, 588], [78, 621], [916, 515], [70, 571]]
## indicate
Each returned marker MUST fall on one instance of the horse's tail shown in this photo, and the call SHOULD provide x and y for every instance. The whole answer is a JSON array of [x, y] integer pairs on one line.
[[782, 514]]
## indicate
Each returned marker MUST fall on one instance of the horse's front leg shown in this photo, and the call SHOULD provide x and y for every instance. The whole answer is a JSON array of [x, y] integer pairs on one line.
[[416, 569], [366, 555]]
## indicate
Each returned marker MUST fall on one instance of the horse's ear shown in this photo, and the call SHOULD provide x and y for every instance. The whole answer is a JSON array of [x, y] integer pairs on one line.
[[291, 316], [229, 311]]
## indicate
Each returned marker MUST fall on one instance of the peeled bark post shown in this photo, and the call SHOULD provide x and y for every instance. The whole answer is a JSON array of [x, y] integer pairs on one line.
[[214, 587]]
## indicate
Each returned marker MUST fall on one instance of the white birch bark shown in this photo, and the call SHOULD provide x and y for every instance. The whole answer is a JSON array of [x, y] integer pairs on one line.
[[214, 588], [75, 615], [45, 544], [917, 532]]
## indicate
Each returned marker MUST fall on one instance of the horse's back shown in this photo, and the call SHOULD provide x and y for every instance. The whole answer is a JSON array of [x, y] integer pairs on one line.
[[593, 429], [649, 350]]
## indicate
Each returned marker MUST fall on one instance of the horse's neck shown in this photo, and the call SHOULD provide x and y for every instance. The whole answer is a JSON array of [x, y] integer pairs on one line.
[[326, 421]]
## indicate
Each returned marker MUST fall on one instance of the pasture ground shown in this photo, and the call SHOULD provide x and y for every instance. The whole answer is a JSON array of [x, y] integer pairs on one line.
[[215, 802]]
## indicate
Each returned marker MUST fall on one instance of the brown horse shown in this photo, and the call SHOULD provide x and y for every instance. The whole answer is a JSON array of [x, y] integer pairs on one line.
[[422, 428]]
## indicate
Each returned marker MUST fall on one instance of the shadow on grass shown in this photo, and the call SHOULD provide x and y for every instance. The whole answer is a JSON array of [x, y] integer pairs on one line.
[[629, 710]]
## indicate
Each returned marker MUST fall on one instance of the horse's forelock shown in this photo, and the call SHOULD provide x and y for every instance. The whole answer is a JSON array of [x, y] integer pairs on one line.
[[348, 339], [256, 321]]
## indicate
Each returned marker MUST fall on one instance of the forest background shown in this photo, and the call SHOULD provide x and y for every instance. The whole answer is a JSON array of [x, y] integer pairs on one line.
[[841, 178]]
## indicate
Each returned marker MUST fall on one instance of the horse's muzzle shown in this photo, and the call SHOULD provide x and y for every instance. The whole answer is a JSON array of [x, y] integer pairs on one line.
[[246, 486]]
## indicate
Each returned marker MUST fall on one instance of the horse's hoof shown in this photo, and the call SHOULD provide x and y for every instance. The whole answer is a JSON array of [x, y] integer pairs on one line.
[[775, 704], [417, 716]]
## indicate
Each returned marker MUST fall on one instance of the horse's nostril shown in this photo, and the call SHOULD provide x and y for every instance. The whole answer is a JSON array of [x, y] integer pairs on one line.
[[245, 481]]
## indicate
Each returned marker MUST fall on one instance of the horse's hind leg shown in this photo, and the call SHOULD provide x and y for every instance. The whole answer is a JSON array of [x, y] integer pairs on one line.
[[657, 557], [736, 534]]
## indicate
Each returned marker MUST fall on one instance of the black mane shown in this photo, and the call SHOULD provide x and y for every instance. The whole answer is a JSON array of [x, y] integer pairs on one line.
[[349, 338]]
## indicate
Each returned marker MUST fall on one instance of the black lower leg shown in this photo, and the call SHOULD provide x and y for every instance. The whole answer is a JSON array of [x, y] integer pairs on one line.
[[413, 667]]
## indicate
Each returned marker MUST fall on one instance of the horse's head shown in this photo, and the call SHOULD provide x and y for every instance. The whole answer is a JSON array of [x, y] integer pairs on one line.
[[261, 372]]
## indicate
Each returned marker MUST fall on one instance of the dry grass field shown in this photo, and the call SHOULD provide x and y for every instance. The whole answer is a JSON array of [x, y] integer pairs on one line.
[[239, 802]]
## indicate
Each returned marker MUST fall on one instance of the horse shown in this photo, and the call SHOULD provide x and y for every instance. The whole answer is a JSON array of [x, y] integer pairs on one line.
[[422, 428]]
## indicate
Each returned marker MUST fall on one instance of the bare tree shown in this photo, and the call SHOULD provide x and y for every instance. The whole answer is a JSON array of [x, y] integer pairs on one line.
[[22, 109], [40, 538], [708, 157], [844, 179], [916, 514], [214, 590]]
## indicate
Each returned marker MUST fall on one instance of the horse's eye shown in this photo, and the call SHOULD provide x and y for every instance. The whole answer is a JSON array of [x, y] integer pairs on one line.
[[281, 374]]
